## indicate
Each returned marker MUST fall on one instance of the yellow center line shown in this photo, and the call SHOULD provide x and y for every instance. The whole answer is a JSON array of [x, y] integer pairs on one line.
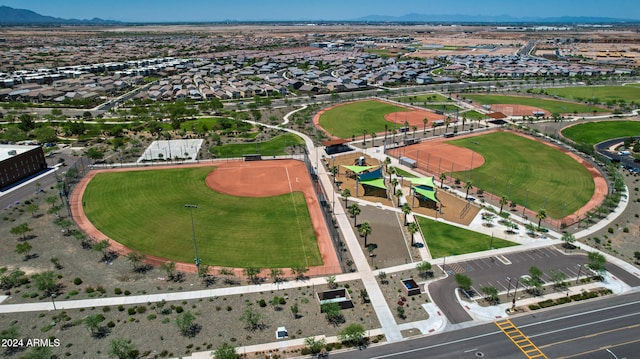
[[590, 335], [599, 349]]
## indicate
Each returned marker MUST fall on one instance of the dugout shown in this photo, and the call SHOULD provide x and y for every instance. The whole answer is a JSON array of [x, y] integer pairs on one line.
[[406, 161], [252, 157], [336, 146]]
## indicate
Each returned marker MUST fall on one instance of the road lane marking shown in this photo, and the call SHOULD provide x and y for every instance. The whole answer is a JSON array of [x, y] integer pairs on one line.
[[590, 335], [518, 338], [599, 349]]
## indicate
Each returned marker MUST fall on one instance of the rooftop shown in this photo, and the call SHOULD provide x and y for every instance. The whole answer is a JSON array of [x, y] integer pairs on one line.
[[6, 151]]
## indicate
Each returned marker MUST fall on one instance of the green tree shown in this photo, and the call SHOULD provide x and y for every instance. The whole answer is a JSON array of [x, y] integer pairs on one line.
[[333, 313], [597, 262], [463, 281], [315, 345], [503, 201], [225, 351], [406, 209], [413, 228], [387, 162], [399, 194], [346, 194], [490, 294], [21, 230], [252, 318], [46, 282], [424, 268], [102, 246], [169, 268], [122, 349], [354, 211], [185, 323], [94, 153], [331, 282], [442, 177], [33, 208], [353, 333], [468, 186], [252, 273], [567, 240], [558, 278], [24, 248], [92, 322], [542, 214], [276, 275], [365, 230], [135, 258], [299, 272]]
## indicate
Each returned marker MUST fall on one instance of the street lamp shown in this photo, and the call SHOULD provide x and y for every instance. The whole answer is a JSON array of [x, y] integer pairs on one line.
[[53, 297], [579, 270], [509, 286], [193, 231]]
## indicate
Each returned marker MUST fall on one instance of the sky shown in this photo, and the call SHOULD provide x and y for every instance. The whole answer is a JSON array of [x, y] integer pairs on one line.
[[266, 10]]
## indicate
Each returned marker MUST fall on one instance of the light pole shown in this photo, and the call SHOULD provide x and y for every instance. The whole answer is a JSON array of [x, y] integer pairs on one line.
[[508, 286], [53, 297], [193, 231], [579, 271]]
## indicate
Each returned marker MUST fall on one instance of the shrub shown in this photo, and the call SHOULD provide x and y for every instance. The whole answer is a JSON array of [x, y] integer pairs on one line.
[[100, 289], [111, 324], [120, 308], [106, 309], [563, 300], [126, 292], [610, 230], [151, 316], [179, 309], [131, 311], [534, 306], [117, 291], [262, 303], [77, 281], [141, 309], [546, 303]]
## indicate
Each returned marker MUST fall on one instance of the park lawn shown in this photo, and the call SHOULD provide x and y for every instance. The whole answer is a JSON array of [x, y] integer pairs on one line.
[[197, 124], [351, 119], [428, 97], [473, 115], [446, 240], [528, 173], [552, 106], [144, 210], [403, 173], [601, 93], [592, 133], [274, 147]]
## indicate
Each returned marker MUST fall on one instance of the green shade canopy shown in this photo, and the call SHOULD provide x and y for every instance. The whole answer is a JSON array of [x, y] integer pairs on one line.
[[423, 181], [358, 169], [378, 183], [427, 193]]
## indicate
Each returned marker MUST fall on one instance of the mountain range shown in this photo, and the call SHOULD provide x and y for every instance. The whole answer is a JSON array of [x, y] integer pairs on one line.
[[11, 16]]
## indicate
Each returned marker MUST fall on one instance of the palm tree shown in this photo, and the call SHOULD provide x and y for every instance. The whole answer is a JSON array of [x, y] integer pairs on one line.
[[406, 209], [413, 229], [346, 194], [468, 186], [364, 137], [442, 177], [542, 214], [399, 195], [503, 201], [447, 122], [387, 162], [414, 128], [424, 129], [464, 119], [365, 230], [433, 126], [354, 211]]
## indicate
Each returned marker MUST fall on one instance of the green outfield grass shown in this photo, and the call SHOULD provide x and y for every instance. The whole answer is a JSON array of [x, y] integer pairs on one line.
[[273, 147], [144, 210], [473, 115], [601, 93], [429, 97], [549, 105], [351, 119], [446, 240], [528, 171], [594, 132]]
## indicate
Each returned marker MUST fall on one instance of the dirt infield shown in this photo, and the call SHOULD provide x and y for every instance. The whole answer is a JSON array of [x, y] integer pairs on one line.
[[518, 110], [435, 156], [266, 178], [414, 118]]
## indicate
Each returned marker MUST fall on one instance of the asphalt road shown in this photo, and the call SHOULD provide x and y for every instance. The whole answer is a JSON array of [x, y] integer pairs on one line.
[[582, 330], [491, 271]]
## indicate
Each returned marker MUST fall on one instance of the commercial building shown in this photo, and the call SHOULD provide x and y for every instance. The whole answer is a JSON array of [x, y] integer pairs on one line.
[[19, 162]]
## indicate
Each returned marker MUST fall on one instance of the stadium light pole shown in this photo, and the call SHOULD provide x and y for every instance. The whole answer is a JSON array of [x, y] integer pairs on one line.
[[193, 231]]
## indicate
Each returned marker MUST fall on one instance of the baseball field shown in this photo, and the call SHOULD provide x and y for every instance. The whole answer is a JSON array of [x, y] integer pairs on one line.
[[552, 106], [145, 211]]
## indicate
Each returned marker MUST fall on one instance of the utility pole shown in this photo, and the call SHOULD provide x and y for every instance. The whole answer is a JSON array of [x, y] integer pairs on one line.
[[193, 231]]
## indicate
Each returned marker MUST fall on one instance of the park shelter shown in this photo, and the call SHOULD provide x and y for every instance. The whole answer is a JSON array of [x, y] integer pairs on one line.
[[353, 171], [425, 189]]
